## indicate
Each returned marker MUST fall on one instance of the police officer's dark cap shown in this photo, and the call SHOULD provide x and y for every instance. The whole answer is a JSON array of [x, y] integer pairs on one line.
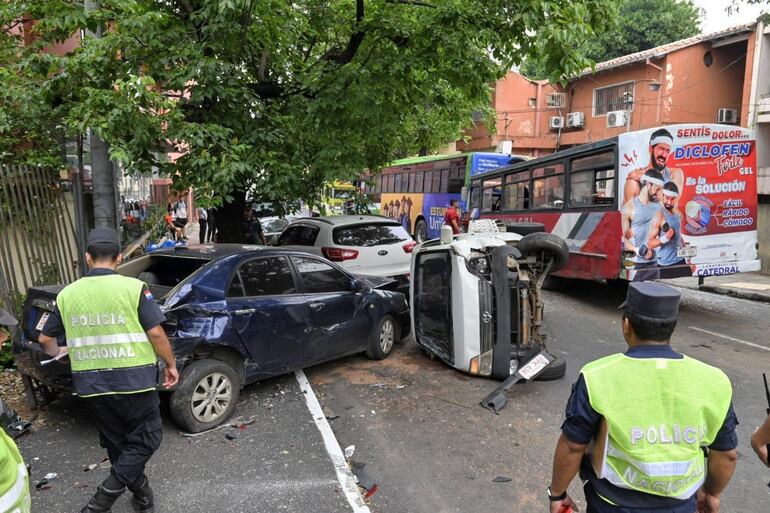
[[100, 235], [652, 299], [7, 319]]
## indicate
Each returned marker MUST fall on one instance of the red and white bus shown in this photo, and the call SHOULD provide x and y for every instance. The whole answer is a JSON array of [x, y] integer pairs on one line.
[[677, 200]]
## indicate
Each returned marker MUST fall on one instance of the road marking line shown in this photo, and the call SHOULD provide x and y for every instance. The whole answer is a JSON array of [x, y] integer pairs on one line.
[[344, 475], [714, 333]]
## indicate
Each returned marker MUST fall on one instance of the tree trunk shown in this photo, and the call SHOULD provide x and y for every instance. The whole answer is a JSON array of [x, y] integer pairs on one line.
[[229, 220], [103, 177]]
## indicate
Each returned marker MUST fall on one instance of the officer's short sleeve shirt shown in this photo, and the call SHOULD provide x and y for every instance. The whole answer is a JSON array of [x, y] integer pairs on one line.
[[149, 312]]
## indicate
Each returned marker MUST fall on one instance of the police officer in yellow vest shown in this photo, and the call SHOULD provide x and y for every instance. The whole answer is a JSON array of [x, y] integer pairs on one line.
[[639, 424], [14, 481], [113, 334]]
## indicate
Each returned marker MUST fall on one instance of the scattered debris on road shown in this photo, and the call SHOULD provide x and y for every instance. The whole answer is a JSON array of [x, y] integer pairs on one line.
[[502, 479]]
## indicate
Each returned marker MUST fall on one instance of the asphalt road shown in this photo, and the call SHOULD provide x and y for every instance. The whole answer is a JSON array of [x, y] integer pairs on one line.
[[433, 449], [415, 423]]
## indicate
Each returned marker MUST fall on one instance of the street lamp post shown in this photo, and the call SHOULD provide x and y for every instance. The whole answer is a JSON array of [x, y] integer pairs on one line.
[[628, 98]]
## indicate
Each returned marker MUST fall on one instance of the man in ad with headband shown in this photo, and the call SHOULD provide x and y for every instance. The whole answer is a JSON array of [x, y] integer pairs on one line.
[[636, 217], [665, 235], [661, 143]]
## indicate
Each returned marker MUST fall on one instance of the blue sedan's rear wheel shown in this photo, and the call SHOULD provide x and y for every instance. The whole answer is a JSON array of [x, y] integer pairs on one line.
[[383, 337], [206, 395]]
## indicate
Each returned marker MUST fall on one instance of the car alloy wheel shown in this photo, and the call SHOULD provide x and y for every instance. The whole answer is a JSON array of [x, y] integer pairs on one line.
[[211, 397], [387, 336]]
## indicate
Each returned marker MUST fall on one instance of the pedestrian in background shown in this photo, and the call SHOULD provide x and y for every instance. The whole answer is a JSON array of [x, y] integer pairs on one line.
[[452, 217], [252, 227], [112, 328], [180, 214], [202, 224], [212, 222], [651, 413], [14, 479]]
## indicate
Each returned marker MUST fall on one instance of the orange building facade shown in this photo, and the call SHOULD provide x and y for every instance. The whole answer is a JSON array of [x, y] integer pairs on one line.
[[701, 79]]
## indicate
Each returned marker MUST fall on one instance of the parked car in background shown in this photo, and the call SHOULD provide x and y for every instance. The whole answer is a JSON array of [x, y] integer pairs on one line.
[[273, 226], [238, 314], [364, 244]]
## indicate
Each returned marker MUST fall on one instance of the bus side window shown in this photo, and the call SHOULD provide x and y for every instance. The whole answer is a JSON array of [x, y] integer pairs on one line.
[[492, 195], [436, 180], [548, 187], [456, 180], [592, 180], [516, 191], [397, 183], [428, 181], [444, 180]]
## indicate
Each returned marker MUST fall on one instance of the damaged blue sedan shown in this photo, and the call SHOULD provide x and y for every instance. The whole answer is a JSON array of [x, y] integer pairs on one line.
[[236, 315]]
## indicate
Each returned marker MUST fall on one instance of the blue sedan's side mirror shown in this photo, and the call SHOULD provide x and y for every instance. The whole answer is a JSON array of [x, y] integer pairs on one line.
[[357, 285]]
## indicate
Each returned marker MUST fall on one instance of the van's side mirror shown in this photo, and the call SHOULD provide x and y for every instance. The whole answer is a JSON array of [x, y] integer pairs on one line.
[[357, 285]]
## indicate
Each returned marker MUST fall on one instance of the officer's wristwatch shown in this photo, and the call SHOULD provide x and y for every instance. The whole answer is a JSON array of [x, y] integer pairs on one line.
[[554, 498]]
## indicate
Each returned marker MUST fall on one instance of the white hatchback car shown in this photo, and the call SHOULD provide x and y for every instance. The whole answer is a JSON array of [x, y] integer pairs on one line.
[[362, 244]]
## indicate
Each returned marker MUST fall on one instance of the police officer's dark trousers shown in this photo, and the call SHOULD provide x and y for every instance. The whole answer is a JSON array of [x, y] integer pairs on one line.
[[130, 429]]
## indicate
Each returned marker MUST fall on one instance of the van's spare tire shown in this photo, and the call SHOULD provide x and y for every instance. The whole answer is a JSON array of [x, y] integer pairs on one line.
[[525, 228], [546, 247]]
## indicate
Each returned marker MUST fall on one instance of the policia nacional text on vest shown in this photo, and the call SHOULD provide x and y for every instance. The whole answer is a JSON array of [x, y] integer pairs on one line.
[[108, 349], [645, 445]]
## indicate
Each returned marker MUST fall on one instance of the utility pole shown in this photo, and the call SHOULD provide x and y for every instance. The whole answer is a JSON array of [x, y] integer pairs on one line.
[[102, 170]]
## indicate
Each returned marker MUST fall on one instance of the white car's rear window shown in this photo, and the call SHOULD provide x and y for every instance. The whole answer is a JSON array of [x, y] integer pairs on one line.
[[367, 235]]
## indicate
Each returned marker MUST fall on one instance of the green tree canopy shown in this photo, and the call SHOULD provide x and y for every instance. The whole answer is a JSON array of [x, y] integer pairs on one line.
[[278, 96], [640, 25]]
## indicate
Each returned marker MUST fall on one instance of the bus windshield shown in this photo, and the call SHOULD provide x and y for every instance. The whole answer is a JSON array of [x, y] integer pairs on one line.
[[666, 202]]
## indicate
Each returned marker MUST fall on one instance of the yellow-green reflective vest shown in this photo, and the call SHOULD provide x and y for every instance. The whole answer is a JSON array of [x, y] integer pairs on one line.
[[14, 482], [659, 413], [108, 349]]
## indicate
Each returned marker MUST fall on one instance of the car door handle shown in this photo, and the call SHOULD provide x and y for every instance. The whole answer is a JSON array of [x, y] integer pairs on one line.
[[316, 306], [245, 311]]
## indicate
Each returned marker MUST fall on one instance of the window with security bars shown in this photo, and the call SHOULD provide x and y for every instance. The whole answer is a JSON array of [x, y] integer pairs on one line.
[[616, 97]]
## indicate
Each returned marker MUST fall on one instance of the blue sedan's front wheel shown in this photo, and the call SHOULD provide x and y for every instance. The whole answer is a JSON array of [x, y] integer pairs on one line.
[[383, 337], [206, 395]]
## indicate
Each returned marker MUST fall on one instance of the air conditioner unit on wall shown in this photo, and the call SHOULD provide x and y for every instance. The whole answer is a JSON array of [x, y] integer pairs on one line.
[[556, 122], [617, 118], [575, 120], [728, 116]]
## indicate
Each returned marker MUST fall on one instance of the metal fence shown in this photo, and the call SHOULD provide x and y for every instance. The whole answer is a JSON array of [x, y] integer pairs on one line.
[[37, 233]]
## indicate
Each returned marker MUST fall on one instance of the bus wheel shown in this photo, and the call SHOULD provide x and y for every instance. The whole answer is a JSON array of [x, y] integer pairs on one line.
[[421, 231], [545, 246]]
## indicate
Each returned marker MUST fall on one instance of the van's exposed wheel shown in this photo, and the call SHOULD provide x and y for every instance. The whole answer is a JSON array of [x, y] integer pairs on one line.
[[555, 370], [420, 231], [383, 337], [205, 396], [525, 228], [546, 247]]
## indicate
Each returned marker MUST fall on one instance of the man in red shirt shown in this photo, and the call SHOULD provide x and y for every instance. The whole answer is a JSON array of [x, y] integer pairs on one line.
[[452, 217]]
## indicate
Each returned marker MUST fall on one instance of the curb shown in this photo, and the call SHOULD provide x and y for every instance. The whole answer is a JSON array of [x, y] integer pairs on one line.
[[751, 296]]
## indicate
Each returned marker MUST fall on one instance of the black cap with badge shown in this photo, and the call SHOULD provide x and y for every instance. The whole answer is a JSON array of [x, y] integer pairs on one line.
[[103, 235], [653, 300]]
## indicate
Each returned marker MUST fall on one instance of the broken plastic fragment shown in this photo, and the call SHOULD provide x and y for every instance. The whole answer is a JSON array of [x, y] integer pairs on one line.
[[502, 479], [349, 451]]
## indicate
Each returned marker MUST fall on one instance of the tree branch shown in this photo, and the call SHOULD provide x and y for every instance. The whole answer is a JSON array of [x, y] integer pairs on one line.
[[410, 2], [356, 38]]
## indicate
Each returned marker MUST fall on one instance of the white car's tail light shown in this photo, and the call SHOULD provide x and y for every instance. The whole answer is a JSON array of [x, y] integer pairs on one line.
[[409, 246], [339, 255]]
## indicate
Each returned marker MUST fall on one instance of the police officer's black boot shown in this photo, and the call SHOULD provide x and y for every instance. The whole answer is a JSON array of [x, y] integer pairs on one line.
[[103, 500], [143, 499]]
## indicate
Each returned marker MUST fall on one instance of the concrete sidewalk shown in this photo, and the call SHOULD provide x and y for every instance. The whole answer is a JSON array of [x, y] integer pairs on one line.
[[751, 286]]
